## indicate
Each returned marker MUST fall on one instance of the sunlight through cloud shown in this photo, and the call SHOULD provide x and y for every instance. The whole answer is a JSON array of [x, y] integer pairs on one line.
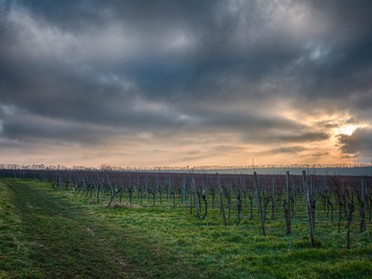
[[347, 129]]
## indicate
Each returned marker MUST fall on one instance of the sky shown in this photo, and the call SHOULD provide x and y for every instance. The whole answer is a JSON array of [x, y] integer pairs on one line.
[[185, 83]]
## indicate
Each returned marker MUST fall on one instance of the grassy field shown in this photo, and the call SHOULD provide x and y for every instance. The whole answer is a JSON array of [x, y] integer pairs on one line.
[[50, 234]]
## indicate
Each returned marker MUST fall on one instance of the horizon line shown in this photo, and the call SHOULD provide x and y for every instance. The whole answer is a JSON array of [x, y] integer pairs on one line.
[[175, 168]]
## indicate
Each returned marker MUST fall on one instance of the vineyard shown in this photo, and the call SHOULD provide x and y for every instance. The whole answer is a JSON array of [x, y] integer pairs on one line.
[[340, 200], [301, 211]]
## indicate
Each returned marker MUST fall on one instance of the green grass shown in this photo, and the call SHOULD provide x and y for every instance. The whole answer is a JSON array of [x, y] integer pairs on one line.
[[50, 234], [43, 236]]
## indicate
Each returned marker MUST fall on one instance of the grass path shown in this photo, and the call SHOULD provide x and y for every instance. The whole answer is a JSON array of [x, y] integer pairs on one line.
[[44, 235]]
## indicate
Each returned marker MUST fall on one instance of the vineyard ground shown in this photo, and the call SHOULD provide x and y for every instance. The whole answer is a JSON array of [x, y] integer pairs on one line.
[[51, 234]]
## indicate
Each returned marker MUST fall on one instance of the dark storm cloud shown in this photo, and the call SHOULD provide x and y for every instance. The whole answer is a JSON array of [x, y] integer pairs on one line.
[[288, 149], [338, 66], [358, 144], [256, 128], [22, 126], [170, 67]]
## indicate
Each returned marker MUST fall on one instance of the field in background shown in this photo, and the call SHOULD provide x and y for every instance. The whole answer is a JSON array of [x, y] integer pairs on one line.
[[46, 233], [311, 170]]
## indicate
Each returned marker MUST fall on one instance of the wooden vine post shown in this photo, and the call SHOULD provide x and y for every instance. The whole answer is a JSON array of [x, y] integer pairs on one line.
[[362, 206], [262, 217], [309, 208], [287, 206], [196, 197], [349, 218], [222, 207]]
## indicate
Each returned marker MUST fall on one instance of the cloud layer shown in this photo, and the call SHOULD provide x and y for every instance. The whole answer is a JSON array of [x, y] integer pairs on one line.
[[185, 82]]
